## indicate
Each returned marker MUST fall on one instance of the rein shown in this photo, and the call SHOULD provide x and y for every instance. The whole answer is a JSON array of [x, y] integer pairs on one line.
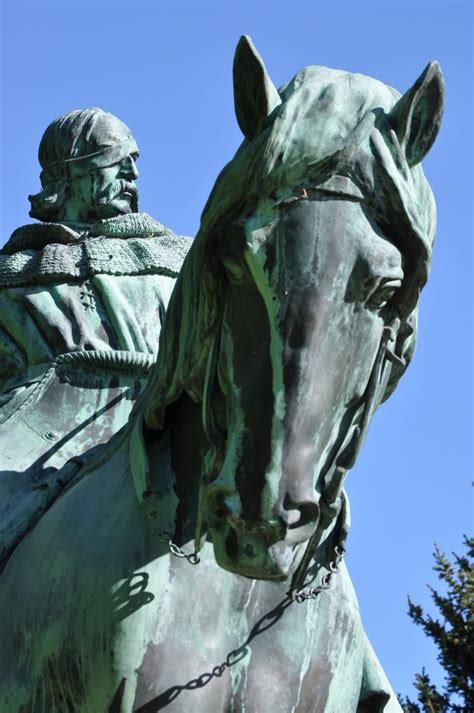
[[333, 501]]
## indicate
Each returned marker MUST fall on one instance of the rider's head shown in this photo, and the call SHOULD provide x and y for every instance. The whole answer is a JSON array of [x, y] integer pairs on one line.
[[88, 160]]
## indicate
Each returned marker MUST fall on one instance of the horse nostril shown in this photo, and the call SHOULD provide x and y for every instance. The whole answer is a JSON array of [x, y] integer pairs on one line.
[[299, 514], [219, 504], [291, 517], [309, 513]]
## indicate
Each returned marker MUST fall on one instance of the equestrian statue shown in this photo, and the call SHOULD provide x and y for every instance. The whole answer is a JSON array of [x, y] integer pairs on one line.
[[175, 517]]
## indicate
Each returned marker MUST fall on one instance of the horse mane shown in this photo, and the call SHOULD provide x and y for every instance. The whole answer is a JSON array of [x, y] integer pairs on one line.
[[329, 123]]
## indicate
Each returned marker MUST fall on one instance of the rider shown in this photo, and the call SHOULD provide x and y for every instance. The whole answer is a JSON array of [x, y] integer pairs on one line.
[[82, 298]]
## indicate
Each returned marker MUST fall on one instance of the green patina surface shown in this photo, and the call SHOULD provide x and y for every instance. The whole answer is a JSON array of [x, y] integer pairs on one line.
[[236, 415]]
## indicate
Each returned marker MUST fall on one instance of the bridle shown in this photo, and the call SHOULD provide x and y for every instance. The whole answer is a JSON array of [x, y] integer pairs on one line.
[[334, 506], [334, 503]]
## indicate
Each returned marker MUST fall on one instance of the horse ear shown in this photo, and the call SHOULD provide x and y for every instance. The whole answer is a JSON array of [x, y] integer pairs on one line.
[[255, 95], [416, 117]]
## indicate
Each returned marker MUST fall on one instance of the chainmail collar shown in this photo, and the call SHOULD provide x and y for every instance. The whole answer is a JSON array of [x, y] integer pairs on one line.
[[36, 236]]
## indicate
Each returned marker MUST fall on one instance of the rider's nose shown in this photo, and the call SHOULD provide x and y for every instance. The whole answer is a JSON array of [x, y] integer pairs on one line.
[[128, 169]]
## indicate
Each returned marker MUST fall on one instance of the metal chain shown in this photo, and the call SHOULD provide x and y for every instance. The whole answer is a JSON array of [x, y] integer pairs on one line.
[[313, 592], [301, 596], [165, 537]]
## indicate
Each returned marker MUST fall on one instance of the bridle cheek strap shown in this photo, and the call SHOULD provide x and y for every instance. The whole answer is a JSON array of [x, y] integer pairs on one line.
[[334, 501]]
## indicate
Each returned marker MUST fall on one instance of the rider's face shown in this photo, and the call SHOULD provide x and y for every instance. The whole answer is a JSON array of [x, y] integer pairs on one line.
[[110, 191]]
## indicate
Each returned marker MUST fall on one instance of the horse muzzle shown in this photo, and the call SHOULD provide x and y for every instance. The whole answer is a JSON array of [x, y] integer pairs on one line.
[[264, 549]]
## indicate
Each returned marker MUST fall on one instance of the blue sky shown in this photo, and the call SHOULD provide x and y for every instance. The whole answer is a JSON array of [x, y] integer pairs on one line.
[[165, 69]]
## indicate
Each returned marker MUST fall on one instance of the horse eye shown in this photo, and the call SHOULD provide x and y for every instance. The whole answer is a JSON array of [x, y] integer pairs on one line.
[[383, 294]]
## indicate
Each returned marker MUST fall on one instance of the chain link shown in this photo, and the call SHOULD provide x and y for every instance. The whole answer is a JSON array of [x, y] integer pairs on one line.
[[313, 592], [301, 596], [192, 558]]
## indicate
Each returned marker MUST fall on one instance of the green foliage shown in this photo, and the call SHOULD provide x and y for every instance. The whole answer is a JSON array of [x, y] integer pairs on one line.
[[453, 634]]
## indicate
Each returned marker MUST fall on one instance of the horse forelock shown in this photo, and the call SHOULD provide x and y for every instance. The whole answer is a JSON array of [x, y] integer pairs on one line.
[[330, 122], [320, 116]]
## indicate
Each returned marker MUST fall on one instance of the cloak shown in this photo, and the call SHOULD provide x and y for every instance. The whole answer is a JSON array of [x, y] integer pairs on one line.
[[80, 319]]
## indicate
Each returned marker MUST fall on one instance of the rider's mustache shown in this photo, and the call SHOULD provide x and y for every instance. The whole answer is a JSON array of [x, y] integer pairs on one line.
[[116, 189]]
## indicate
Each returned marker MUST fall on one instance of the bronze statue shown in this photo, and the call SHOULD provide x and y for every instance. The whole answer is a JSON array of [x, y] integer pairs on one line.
[[292, 319]]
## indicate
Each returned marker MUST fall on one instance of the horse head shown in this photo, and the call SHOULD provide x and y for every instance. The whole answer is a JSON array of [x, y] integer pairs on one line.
[[295, 313]]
